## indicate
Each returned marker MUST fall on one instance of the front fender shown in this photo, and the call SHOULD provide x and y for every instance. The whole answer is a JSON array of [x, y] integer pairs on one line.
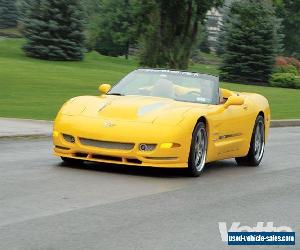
[[74, 106]]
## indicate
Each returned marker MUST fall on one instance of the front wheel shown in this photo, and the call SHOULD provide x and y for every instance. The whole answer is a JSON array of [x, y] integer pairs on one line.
[[257, 145], [198, 150]]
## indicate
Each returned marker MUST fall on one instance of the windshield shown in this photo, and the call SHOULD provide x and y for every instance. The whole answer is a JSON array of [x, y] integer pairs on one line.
[[176, 85]]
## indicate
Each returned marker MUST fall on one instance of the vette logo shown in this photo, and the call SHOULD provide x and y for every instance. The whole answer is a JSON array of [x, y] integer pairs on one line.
[[108, 124]]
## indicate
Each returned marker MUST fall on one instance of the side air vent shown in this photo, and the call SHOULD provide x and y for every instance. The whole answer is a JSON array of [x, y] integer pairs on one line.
[[69, 138], [132, 160], [81, 155]]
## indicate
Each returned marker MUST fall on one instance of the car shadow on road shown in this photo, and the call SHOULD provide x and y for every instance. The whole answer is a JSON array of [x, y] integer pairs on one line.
[[210, 169]]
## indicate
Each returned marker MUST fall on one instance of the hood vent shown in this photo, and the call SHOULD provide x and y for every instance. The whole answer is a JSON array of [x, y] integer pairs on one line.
[[149, 108]]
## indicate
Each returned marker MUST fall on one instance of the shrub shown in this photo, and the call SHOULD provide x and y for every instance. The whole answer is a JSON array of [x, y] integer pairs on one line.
[[280, 60], [284, 80], [293, 61], [297, 82], [286, 69], [287, 61]]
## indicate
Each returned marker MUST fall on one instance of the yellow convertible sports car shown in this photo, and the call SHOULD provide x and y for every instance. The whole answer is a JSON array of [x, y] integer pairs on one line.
[[163, 118]]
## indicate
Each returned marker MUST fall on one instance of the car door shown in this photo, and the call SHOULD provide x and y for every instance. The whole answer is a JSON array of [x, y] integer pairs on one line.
[[230, 130]]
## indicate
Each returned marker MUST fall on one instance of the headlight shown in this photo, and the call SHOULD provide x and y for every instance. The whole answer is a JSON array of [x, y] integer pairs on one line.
[[169, 145]]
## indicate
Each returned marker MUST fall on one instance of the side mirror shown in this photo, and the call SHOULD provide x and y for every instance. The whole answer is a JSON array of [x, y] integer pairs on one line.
[[234, 100], [104, 88]]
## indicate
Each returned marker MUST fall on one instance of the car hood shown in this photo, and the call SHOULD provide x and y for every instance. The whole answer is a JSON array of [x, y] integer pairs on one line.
[[131, 108]]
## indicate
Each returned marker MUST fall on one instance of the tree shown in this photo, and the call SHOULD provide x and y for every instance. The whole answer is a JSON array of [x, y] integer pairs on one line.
[[117, 28], [54, 30], [221, 34], [8, 14], [172, 31], [289, 11], [93, 10], [24, 7], [204, 43], [250, 44]]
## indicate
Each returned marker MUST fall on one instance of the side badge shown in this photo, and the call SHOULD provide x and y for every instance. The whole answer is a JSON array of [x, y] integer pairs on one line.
[[108, 124]]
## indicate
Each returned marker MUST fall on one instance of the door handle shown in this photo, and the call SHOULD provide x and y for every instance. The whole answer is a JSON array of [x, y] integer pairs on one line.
[[245, 107]]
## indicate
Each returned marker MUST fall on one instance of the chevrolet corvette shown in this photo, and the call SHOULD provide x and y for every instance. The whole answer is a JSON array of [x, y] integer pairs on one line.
[[163, 118]]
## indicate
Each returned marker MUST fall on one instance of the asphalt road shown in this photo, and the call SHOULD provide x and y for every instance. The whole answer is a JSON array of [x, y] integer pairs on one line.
[[45, 205]]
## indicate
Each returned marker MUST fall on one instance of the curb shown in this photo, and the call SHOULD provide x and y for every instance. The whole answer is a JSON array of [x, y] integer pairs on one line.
[[25, 119], [285, 123], [40, 129], [29, 136]]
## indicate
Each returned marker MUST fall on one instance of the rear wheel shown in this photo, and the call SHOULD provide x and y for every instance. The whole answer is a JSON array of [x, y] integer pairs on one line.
[[198, 150], [71, 161], [257, 145]]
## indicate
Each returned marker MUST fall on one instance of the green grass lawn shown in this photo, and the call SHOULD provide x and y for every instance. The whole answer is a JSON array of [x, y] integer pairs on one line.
[[31, 88], [205, 68]]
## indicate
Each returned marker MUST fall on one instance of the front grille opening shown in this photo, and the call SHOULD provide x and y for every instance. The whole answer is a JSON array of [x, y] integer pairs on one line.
[[107, 157], [107, 144], [132, 160], [82, 155]]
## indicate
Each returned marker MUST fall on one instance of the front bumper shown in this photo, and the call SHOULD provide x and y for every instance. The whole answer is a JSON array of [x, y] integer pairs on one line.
[[123, 132]]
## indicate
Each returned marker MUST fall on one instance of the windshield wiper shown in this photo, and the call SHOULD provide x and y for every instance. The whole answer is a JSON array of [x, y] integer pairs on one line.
[[119, 94]]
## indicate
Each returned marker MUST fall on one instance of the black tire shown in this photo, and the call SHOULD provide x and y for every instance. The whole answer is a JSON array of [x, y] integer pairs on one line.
[[256, 152], [198, 150], [71, 161]]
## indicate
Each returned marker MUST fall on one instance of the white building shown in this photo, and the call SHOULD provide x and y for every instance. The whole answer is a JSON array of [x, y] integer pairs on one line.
[[214, 22]]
